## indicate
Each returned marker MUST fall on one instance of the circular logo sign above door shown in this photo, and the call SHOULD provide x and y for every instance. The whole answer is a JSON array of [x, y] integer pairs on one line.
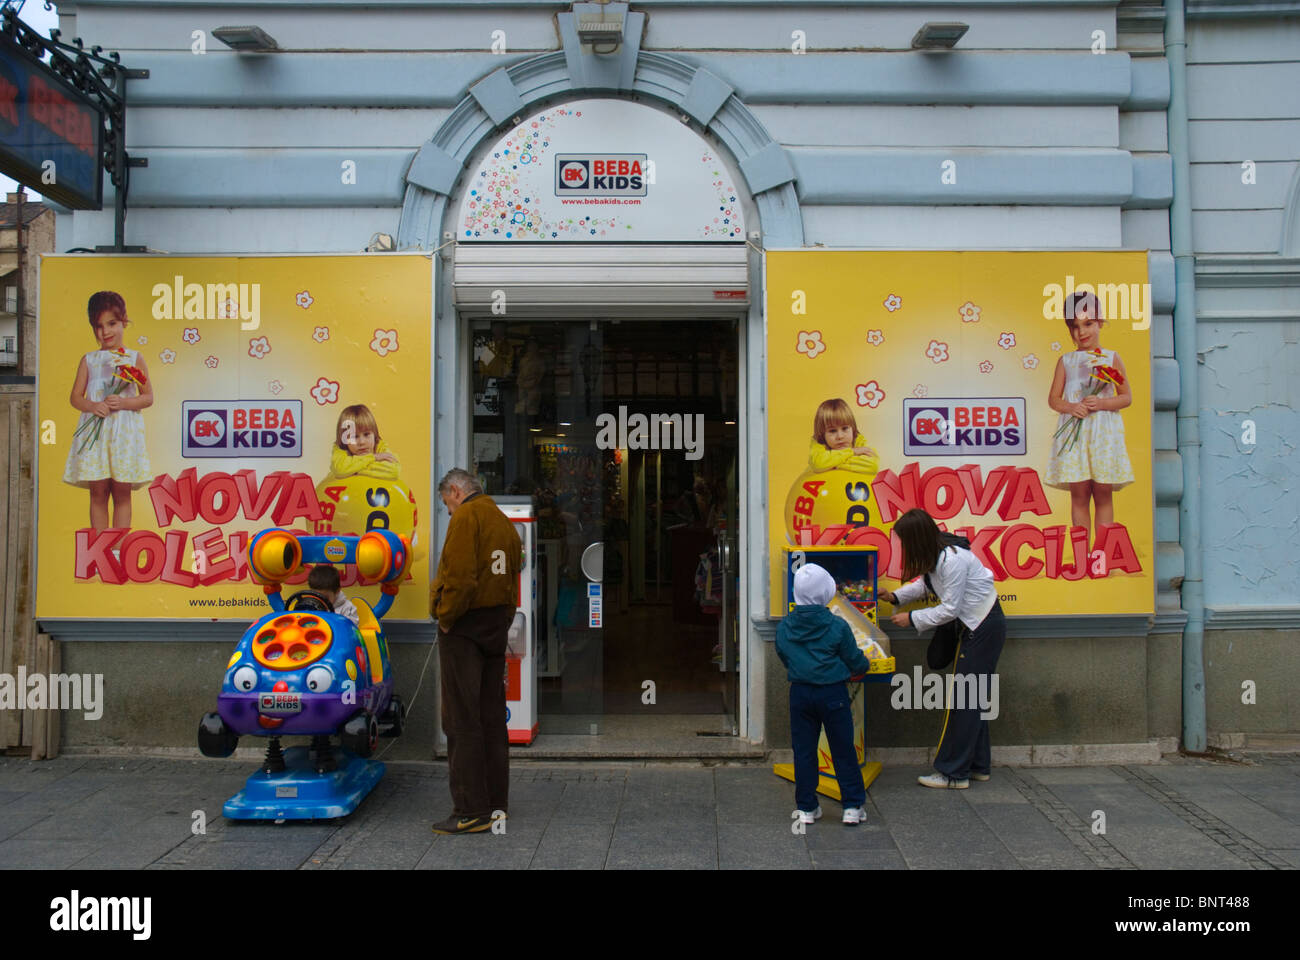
[[603, 171]]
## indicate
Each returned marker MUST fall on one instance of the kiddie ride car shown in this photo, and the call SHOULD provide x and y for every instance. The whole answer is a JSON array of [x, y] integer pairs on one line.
[[304, 670]]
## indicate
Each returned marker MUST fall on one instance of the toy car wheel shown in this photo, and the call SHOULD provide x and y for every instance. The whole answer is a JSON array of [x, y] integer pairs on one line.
[[395, 717], [215, 738], [360, 734]]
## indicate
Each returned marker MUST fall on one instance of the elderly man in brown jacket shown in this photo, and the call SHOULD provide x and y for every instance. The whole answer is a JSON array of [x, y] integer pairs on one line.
[[473, 599]]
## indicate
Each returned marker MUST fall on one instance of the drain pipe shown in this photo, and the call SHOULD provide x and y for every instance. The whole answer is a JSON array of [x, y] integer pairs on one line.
[[1189, 435]]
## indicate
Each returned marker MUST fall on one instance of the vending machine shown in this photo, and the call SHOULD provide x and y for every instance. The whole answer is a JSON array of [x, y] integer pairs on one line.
[[521, 652]]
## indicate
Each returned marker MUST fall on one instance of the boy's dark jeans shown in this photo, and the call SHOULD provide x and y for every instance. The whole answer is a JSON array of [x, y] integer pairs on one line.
[[813, 706], [473, 662]]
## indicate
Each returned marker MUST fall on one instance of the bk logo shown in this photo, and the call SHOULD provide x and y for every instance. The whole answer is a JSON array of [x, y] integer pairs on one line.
[[929, 425], [207, 428], [574, 174]]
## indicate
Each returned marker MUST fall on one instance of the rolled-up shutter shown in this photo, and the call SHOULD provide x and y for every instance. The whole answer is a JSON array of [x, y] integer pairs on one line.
[[653, 280]]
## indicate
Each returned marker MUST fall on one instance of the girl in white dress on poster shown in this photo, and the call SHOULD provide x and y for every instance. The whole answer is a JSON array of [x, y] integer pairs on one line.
[[1089, 389], [108, 455]]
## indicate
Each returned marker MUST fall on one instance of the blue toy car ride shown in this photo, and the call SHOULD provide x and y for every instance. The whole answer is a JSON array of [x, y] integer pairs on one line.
[[304, 670]]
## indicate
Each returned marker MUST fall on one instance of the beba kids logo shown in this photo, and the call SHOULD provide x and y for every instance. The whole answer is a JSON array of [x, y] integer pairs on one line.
[[241, 428], [986, 426], [600, 175]]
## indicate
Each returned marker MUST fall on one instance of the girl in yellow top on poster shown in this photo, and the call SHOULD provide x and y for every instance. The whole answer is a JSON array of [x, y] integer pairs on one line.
[[1094, 462], [358, 450], [110, 460], [836, 442]]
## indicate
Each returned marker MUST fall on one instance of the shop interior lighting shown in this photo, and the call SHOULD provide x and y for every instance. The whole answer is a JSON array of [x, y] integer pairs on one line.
[[939, 36], [247, 39]]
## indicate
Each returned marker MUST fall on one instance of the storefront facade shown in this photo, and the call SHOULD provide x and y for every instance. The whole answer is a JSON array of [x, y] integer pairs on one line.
[[1028, 137]]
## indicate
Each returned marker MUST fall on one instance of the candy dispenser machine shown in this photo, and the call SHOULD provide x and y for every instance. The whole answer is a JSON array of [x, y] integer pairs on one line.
[[521, 651]]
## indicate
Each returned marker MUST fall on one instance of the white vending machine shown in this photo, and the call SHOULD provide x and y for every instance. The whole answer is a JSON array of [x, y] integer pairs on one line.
[[521, 653]]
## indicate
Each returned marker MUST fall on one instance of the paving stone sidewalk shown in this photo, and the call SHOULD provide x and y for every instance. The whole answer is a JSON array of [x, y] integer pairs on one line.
[[131, 813]]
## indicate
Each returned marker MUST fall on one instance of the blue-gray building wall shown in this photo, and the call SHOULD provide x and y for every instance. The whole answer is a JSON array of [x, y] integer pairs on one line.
[[1054, 113]]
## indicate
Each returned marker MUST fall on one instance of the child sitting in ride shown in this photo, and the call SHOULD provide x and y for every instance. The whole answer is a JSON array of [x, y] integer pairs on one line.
[[324, 579]]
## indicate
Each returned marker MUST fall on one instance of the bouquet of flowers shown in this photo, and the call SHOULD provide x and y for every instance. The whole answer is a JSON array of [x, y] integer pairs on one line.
[[1103, 375], [124, 375]]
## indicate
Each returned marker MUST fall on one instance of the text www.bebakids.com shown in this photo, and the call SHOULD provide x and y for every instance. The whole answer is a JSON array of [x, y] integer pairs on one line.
[[1203, 927], [229, 602], [585, 200]]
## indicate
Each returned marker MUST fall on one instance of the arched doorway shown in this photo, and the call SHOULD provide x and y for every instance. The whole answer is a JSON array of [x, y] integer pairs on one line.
[[552, 342]]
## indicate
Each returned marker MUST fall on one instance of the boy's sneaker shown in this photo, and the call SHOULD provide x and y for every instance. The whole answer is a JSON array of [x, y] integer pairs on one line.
[[981, 777], [808, 816], [942, 782], [854, 815]]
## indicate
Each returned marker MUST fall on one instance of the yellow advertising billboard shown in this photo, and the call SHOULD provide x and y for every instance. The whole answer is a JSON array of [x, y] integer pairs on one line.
[[186, 403], [952, 382]]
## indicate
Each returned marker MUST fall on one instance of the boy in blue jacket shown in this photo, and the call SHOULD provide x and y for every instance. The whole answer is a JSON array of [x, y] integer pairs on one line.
[[820, 654]]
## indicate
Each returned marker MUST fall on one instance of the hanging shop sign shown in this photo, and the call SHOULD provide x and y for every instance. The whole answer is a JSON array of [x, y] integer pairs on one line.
[[286, 391], [601, 171], [944, 365], [51, 137]]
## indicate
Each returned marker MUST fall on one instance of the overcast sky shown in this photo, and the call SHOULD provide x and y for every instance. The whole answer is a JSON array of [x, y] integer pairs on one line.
[[39, 19]]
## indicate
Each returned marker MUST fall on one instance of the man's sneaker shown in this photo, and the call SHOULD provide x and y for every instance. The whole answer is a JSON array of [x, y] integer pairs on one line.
[[981, 777], [454, 825], [942, 782], [808, 816], [854, 815]]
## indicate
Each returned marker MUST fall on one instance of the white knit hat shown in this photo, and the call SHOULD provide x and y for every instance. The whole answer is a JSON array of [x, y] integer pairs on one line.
[[813, 585]]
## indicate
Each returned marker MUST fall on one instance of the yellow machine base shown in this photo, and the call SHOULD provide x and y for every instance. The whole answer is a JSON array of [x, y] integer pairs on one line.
[[829, 786]]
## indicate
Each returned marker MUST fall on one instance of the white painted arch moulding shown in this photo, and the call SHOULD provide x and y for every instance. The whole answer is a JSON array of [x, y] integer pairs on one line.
[[684, 88]]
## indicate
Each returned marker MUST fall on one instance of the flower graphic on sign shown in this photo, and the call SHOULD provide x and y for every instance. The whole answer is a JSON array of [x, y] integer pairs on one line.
[[875, 337], [937, 351], [275, 386], [893, 302], [304, 299], [870, 394], [969, 313], [258, 348], [168, 355], [1056, 345], [384, 342], [229, 310], [1030, 362], [920, 390], [810, 342], [321, 334], [1007, 340], [191, 335], [325, 391], [986, 367], [142, 340], [211, 362]]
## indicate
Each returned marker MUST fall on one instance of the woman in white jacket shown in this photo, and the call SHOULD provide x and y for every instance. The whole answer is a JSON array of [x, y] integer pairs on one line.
[[966, 594]]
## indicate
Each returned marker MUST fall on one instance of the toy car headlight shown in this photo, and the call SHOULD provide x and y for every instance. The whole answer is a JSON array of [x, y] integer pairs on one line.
[[274, 555]]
